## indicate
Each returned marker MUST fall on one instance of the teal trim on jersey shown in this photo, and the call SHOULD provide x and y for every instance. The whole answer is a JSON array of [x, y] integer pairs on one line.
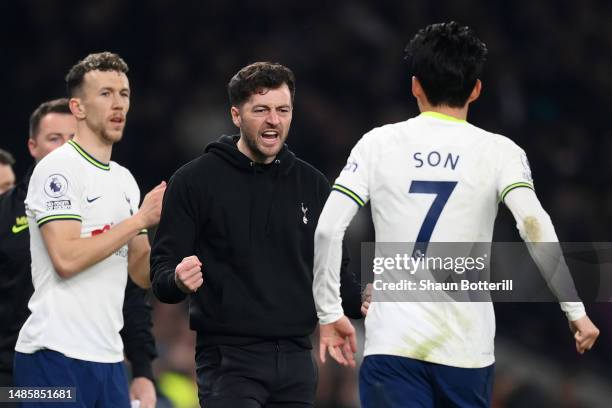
[[347, 192], [442, 116], [511, 187], [88, 157], [58, 217]]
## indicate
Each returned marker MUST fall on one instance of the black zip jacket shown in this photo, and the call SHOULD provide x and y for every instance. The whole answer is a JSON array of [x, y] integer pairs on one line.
[[16, 289], [252, 226]]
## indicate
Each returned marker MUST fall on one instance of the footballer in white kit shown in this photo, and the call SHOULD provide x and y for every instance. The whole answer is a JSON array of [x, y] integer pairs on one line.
[[79, 317], [85, 237], [432, 178]]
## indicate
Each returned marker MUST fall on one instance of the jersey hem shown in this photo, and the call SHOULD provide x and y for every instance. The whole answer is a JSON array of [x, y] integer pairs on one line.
[[76, 355], [447, 362]]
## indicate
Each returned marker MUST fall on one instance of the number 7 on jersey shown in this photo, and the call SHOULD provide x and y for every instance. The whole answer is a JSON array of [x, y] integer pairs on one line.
[[442, 190]]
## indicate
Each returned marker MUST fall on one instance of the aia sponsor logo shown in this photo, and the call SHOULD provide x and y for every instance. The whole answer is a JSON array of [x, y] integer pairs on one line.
[[100, 231]]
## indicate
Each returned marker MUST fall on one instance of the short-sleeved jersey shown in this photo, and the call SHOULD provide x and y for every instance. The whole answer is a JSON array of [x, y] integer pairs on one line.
[[80, 316], [433, 178]]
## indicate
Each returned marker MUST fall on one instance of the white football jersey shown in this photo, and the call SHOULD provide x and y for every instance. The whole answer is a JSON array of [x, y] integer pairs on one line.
[[81, 316], [433, 178]]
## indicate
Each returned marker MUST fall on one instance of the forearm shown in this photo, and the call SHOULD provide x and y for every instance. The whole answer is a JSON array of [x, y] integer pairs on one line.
[[335, 218], [138, 261], [73, 254], [538, 232], [163, 283]]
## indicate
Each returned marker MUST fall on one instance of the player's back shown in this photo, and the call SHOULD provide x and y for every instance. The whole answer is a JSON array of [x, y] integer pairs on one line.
[[433, 178]]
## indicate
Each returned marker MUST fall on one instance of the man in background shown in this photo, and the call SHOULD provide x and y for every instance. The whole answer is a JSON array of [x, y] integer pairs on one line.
[[7, 176]]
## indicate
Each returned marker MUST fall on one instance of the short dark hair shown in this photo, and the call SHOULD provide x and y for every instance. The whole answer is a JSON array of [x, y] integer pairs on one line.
[[6, 158], [54, 106], [102, 61], [259, 75], [447, 59]]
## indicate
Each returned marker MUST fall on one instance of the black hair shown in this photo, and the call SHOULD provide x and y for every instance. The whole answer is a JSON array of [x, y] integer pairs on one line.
[[259, 75], [6, 158], [54, 106], [447, 59]]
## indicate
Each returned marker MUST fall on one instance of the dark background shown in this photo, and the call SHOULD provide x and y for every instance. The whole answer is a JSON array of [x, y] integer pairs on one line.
[[547, 86]]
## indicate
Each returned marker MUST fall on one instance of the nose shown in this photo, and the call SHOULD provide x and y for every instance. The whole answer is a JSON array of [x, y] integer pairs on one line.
[[118, 102], [273, 118]]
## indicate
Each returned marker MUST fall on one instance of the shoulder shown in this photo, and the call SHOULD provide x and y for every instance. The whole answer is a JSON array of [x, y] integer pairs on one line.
[[123, 174], [198, 167], [309, 170], [63, 161]]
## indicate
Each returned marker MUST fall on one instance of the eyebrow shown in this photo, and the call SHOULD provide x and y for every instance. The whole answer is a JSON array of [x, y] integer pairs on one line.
[[268, 106], [108, 88]]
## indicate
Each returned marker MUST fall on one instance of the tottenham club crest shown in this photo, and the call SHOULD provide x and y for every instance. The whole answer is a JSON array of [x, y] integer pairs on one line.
[[56, 185], [304, 211]]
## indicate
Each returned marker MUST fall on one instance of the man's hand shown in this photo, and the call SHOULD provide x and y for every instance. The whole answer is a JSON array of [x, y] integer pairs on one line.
[[150, 209], [143, 390], [340, 340], [188, 274], [366, 299], [585, 333]]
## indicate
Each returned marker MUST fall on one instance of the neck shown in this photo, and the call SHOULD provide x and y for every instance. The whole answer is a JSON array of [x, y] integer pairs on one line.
[[458, 113], [93, 143]]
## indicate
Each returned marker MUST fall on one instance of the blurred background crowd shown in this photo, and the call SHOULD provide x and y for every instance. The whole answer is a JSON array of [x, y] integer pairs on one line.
[[547, 86]]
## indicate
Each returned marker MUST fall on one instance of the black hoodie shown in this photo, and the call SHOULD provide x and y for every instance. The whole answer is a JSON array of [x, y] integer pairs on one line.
[[252, 227]]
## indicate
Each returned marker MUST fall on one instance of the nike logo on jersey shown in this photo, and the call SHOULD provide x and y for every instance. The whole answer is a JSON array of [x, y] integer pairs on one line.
[[21, 223], [91, 200]]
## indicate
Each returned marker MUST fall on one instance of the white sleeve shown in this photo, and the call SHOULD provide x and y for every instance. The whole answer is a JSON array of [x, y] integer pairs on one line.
[[538, 232], [354, 178], [514, 171], [337, 214], [55, 191], [133, 195]]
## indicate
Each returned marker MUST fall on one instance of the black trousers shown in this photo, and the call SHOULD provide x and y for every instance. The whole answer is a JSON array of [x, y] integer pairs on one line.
[[271, 374]]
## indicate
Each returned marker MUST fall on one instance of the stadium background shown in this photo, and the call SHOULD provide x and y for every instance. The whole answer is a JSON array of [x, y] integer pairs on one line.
[[547, 85]]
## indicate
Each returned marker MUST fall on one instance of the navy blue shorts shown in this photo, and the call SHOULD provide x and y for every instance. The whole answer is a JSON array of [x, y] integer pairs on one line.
[[98, 385], [396, 382]]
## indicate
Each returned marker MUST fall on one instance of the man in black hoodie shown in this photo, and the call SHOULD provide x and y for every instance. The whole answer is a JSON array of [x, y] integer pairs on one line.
[[236, 233]]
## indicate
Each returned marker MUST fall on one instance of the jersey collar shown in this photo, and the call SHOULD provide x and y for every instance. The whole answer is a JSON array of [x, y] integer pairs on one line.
[[88, 157], [442, 116]]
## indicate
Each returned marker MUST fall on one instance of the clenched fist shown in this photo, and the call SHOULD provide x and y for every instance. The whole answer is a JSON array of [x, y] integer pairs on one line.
[[188, 274]]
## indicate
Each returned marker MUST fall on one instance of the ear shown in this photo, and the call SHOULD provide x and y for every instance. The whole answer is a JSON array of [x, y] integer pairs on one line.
[[32, 147], [76, 107], [235, 112], [417, 89], [475, 92]]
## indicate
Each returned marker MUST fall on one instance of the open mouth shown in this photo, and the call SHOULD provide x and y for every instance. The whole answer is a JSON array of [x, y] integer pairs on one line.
[[270, 137]]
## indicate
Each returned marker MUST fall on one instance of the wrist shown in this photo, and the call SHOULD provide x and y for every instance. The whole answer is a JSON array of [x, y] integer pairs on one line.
[[180, 285], [139, 222]]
